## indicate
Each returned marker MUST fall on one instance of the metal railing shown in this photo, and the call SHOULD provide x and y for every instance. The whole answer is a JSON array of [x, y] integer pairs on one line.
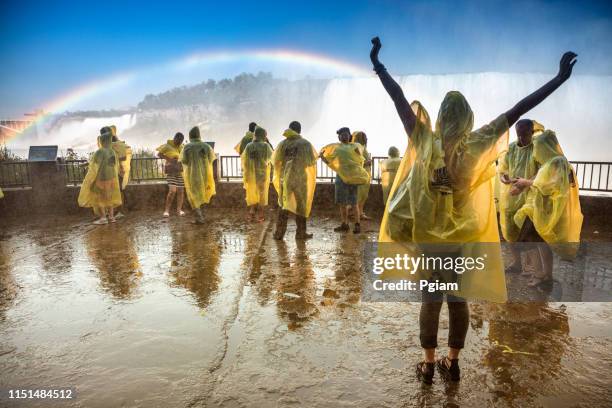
[[14, 174], [231, 170], [591, 176], [147, 169], [75, 171], [141, 169]]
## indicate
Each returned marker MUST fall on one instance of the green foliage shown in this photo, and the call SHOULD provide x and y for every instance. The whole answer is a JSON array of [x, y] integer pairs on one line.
[[7, 155], [227, 92]]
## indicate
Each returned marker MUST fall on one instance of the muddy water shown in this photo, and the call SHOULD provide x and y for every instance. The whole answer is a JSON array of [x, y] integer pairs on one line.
[[148, 313]]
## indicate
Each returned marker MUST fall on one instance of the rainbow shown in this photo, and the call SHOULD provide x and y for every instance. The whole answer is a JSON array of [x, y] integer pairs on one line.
[[65, 101]]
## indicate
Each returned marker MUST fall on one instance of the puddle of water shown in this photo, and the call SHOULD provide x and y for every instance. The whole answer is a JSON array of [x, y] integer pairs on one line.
[[154, 313]]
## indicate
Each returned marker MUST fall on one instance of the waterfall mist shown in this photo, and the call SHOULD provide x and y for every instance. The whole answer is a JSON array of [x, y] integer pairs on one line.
[[578, 112]]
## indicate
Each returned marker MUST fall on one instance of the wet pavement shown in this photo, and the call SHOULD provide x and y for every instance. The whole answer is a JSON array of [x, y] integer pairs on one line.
[[162, 313]]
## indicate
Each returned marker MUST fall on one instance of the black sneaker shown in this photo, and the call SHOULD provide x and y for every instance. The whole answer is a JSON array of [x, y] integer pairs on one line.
[[425, 372], [342, 228], [357, 229], [449, 368]]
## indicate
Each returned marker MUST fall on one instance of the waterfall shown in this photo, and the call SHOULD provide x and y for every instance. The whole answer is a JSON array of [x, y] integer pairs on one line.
[[579, 112]]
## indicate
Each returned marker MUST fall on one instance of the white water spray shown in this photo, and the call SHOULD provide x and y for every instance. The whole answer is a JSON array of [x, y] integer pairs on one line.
[[578, 112]]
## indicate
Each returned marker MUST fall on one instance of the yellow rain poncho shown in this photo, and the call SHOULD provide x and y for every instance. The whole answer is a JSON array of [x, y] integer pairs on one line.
[[170, 150], [124, 154], [364, 189], [1, 193], [388, 170], [197, 158], [443, 192], [552, 202], [517, 162], [295, 173], [256, 159], [100, 188], [246, 139], [347, 160]]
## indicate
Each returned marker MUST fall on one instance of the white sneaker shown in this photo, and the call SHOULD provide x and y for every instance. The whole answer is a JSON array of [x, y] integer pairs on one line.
[[181, 213], [166, 214], [101, 221]]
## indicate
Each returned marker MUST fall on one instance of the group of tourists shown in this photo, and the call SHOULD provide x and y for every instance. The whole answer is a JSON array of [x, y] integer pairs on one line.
[[291, 167], [440, 192]]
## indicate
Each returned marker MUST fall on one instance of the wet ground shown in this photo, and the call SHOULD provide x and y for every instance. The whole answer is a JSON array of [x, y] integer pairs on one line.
[[156, 313]]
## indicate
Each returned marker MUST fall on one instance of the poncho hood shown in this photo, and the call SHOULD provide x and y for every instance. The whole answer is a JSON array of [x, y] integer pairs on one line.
[[359, 137], [289, 133], [194, 133], [455, 119], [546, 147], [105, 140], [393, 152], [260, 135]]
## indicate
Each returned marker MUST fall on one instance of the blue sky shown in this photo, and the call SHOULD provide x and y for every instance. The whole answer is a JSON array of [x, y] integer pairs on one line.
[[51, 47]]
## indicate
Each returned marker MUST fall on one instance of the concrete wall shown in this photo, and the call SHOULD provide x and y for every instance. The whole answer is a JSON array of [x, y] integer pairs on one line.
[[49, 194]]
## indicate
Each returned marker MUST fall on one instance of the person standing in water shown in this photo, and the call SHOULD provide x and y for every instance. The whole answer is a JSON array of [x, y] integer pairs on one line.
[[347, 160], [100, 189], [363, 190], [551, 212], [256, 159], [444, 194], [295, 177], [124, 154], [517, 162], [171, 152], [388, 169], [197, 159]]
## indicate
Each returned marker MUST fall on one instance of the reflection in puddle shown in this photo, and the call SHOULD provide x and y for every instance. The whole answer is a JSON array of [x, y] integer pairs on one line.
[[112, 253], [159, 313], [196, 255]]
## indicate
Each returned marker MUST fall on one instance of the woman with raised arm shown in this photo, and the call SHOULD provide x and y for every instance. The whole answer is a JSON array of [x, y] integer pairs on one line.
[[444, 195]]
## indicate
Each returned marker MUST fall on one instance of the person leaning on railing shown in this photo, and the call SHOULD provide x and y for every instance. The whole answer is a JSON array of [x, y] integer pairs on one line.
[[171, 152]]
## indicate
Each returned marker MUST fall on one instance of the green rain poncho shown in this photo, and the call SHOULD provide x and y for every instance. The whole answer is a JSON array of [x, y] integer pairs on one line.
[[246, 139], [443, 192], [364, 189], [346, 159], [197, 158], [553, 202], [518, 162], [100, 188], [256, 159], [295, 173], [388, 170]]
